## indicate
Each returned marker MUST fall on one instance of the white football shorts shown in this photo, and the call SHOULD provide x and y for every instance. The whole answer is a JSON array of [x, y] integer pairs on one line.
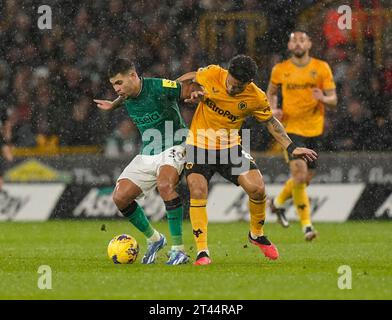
[[143, 170]]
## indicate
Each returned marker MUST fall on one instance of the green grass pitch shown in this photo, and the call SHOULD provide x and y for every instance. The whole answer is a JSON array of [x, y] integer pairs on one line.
[[76, 253]]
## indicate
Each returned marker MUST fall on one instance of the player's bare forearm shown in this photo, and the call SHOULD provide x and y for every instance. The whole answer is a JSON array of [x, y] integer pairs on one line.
[[187, 76], [278, 132], [331, 101], [189, 89], [330, 98], [117, 102], [109, 105]]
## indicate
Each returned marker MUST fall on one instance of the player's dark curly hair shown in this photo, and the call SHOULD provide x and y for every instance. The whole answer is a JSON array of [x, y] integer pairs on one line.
[[243, 68], [119, 65]]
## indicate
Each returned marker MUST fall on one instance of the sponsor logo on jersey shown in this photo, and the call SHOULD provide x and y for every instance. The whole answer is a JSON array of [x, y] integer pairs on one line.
[[189, 165], [300, 86], [146, 119], [224, 113], [169, 83]]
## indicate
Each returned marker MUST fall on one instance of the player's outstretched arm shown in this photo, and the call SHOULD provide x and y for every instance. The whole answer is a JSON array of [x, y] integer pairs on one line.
[[187, 76], [109, 105], [194, 96], [191, 91], [279, 133]]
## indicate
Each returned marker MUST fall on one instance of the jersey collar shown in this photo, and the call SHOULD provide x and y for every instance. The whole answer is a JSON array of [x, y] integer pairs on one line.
[[301, 65], [141, 87], [140, 91]]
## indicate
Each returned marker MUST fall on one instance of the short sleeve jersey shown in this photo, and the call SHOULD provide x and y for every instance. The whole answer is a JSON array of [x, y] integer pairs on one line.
[[219, 117], [156, 114], [302, 113]]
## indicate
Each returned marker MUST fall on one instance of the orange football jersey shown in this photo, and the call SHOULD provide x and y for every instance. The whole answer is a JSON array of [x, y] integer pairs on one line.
[[219, 117], [302, 114]]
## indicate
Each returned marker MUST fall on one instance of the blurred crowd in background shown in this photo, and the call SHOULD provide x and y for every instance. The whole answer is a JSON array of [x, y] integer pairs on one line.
[[48, 78]]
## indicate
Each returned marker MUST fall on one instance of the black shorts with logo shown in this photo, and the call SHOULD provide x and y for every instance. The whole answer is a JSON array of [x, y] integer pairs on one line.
[[307, 142], [229, 163]]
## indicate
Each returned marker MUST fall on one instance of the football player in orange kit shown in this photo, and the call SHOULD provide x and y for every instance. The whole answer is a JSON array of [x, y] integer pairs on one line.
[[307, 85], [226, 98]]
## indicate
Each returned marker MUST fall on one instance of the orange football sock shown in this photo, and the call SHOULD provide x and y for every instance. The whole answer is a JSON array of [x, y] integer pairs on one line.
[[302, 203], [285, 194], [257, 216], [199, 221]]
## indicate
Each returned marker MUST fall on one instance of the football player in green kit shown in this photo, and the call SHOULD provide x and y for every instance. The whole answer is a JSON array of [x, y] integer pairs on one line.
[[152, 104]]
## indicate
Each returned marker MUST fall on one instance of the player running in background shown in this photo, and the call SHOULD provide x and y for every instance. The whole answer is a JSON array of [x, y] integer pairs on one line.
[[307, 85], [152, 104], [213, 145], [5, 148]]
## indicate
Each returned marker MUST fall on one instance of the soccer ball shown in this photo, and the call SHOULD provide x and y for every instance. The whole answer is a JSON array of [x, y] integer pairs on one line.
[[123, 249]]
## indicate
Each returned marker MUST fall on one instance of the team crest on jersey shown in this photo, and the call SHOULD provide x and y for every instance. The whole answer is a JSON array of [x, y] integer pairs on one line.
[[189, 165], [242, 105], [313, 74]]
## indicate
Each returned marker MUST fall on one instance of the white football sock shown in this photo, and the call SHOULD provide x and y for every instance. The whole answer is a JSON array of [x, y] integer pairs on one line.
[[178, 248], [155, 237]]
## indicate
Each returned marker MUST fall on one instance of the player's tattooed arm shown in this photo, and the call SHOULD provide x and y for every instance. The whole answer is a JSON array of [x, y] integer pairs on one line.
[[109, 105], [279, 133], [277, 130]]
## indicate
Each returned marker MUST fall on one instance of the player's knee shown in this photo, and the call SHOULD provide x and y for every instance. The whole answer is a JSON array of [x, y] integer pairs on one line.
[[198, 191], [299, 172], [300, 177], [165, 188], [121, 199], [309, 176], [256, 191]]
